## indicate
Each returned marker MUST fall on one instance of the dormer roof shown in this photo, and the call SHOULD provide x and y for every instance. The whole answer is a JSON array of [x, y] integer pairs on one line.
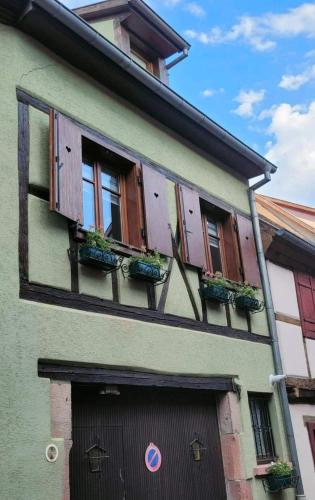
[[139, 20]]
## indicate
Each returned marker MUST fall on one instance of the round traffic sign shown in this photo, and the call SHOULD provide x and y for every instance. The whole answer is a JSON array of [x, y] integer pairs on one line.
[[153, 458]]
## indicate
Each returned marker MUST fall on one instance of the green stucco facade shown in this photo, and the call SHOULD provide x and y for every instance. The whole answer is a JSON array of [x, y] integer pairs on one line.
[[30, 331]]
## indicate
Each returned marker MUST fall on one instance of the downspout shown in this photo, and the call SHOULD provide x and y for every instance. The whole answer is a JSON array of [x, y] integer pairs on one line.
[[178, 59], [273, 332]]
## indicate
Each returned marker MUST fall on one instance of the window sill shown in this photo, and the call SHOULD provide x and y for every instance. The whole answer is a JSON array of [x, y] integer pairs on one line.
[[261, 470], [120, 248]]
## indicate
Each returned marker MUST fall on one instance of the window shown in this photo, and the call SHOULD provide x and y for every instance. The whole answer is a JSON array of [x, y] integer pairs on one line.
[[261, 424], [305, 286], [96, 183], [141, 59], [214, 239], [102, 199], [311, 434], [213, 244]]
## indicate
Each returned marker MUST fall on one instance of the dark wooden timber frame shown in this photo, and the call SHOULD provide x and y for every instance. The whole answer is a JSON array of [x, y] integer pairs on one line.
[[72, 299], [89, 374]]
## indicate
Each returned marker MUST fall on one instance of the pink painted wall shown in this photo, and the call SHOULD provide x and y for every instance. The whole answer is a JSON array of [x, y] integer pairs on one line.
[[292, 349], [283, 290], [303, 446]]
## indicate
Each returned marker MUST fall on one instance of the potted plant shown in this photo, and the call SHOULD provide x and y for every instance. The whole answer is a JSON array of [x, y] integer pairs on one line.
[[96, 252], [245, 298], [217, 289], [280, 476], [146, 267]]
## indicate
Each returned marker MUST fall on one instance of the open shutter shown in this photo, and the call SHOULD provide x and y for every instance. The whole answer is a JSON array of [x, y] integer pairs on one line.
[[305, 285], [311, 433], [248, 250], [158, 232], [190, 226], [65, 167], [231, 250], [134, 207]]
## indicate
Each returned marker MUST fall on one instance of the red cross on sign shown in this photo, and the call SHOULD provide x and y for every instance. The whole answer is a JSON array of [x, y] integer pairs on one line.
[[153, 458]]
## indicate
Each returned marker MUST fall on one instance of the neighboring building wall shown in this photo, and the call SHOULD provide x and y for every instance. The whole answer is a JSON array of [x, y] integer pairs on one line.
[[299, 414], [32, 331], [286, 307], [298, 356]]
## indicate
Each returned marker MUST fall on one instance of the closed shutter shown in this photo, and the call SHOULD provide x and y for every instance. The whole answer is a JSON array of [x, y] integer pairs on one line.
[[231, 251], [65, 167], [311, 433], [134, 207], [158, 232], [190, 226], [248, 250], [305, 285]]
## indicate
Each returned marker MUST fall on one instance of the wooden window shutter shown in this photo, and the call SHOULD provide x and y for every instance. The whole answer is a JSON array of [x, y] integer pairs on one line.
[[311, 433], [190, 226], [248, 250], [231, 250], [134, 207], [158, 234], [65, 167], [305, 285]]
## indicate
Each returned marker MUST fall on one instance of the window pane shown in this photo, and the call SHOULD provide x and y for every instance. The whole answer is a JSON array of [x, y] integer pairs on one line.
[[212, 228], [87, 171], [216, 258], [262, 428], [88, 205], [111, 215], [110, 181]]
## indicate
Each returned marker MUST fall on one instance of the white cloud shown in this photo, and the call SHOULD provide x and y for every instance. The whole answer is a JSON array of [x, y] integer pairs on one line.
[[292, 148], [261, 31], [211, 92], [294, 82], [310, 53], [195, 9], [247, 101]]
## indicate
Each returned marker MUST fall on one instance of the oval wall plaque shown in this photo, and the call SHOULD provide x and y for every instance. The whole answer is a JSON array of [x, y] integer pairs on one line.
[[153, 458]]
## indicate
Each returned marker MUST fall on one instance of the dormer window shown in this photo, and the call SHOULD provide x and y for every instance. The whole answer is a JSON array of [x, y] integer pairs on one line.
[[143, 61], [139, 32]]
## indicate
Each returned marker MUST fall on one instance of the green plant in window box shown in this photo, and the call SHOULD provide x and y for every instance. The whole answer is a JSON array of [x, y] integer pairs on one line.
[[97, 252], [217, 289], [245, 298], [147, 267], [280, 476]]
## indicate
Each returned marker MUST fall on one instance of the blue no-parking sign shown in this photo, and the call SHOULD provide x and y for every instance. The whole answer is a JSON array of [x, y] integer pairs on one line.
[[153, 458]]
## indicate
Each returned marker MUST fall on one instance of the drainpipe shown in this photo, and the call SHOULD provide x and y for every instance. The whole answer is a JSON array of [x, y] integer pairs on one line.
[[273, 331], [178, 59]]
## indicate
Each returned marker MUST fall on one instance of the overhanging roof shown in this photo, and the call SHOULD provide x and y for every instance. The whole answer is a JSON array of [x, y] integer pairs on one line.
[[289, 250], [69, 36], [142, 20]]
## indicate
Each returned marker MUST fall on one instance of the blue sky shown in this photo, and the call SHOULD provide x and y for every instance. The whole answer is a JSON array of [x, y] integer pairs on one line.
[[251, 68]]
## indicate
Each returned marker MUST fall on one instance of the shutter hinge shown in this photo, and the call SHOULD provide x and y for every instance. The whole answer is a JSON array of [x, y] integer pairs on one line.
[[139, 180], [142, 233]]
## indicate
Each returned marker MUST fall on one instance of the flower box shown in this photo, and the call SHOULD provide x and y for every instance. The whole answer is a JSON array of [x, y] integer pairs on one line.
[[216, 293], [95, 257], [246, 303], [278, 483], [143, 271]]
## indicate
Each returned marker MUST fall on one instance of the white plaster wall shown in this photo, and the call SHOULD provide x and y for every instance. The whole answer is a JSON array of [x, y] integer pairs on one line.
[[283, 290], [292, 349], [303, 446], [310, 346]]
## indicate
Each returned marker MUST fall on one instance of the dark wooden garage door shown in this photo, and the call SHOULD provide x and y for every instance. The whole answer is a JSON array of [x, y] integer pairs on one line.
[[111, 434]]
